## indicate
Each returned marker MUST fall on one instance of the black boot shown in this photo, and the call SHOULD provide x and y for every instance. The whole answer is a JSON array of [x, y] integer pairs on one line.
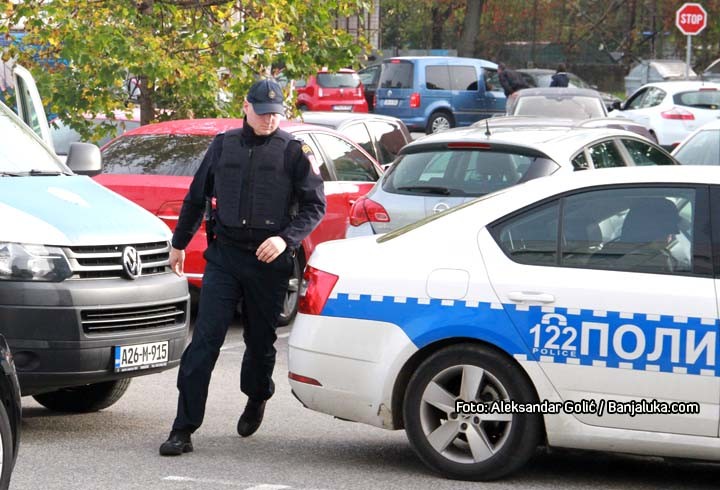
[[251, 418], [179, 442]]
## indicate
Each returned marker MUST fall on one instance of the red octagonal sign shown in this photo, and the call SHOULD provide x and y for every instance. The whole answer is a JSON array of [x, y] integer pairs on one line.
[[691, 19]]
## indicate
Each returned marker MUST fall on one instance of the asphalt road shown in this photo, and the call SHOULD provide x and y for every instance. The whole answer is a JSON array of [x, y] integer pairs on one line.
[[295, 449]]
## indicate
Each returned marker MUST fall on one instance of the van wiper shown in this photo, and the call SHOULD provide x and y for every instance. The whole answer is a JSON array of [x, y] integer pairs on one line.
[[32, 172], [45, 172], [430, 189]]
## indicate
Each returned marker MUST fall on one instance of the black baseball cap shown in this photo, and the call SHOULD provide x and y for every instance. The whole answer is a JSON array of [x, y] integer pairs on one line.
[[266, 97]]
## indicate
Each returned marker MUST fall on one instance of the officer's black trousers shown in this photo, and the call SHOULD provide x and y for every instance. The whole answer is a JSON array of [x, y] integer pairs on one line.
[[231, 275]]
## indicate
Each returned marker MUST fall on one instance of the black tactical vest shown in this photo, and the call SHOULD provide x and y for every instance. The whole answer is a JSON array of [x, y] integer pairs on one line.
[[252, 185]]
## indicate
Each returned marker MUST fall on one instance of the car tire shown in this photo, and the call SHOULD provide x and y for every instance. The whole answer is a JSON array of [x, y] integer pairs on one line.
[[439, 121], [303, 108], [290, 305], [6, 445], [84, 399], [465, 447]]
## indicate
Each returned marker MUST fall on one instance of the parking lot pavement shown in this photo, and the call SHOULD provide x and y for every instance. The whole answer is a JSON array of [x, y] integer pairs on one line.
[[295, 448]]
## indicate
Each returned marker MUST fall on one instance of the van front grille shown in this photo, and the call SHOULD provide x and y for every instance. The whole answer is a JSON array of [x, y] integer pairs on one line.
[[108, 320], [105, 261]]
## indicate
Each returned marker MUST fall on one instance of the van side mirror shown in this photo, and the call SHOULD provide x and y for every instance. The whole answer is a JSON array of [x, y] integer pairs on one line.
[[84, 159], [617, 105]]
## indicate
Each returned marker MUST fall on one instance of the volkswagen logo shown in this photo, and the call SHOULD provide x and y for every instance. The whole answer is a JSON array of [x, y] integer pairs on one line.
[[131, 262], [440, 207]]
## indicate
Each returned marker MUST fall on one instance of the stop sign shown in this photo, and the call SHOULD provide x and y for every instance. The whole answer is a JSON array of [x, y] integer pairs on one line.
[[691, 19]]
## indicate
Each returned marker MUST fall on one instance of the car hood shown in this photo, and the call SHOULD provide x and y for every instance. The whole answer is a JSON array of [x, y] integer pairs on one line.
[[72, 210]]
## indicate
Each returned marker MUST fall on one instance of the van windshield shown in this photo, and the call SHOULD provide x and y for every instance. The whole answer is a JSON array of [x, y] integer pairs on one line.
[[21, 153], [396, 74]]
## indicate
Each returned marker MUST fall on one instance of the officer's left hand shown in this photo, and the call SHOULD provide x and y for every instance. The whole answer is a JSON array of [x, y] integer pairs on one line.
[[270, 249]]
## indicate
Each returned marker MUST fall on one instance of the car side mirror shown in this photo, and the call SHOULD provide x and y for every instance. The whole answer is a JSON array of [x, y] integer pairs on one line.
[[84, 159], [617, 105]]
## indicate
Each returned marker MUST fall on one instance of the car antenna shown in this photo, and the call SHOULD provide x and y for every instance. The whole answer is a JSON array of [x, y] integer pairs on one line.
[[487, 128]]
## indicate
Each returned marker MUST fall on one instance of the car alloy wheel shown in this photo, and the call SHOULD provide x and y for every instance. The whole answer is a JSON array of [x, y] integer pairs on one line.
[[470, 446]]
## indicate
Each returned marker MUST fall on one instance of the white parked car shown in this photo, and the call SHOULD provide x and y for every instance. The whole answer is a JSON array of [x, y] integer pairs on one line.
[[672, 110], [443, 170], [578, 311], [701, 147]]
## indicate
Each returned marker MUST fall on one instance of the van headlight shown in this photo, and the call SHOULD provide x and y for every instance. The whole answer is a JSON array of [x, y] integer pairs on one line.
[[24, 262]]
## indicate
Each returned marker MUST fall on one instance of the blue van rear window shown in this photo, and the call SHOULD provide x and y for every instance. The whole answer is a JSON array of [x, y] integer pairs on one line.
[[396, 74]]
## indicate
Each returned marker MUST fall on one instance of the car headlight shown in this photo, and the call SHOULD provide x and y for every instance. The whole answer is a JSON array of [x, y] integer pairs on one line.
[[25, 262]]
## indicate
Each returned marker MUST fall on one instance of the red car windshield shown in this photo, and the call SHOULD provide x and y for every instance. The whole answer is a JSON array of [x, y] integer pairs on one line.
[[178, 155], [338, 80]]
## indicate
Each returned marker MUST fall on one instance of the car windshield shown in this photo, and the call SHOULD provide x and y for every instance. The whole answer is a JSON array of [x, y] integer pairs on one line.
[[543, 80], [671, 69], [578, 82], [702, 149], [63, 135], [576, 107], [178, 155], [338, 80], [21, 153], [456, 173]]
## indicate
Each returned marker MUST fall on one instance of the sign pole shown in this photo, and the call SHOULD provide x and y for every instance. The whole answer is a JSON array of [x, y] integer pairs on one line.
[[687, 57], [691, 19]]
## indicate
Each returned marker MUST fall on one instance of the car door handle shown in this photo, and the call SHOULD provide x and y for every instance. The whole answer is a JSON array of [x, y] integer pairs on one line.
[[523, 297]]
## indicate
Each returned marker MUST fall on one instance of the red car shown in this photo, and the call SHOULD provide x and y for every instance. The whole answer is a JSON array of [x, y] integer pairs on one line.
[[153, 166], [331, 91]]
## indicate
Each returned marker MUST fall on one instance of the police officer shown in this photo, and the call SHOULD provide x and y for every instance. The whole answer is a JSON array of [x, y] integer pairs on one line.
[[269, 196]]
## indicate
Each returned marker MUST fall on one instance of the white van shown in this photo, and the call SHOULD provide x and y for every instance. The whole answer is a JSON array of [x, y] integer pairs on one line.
[[87, 299]]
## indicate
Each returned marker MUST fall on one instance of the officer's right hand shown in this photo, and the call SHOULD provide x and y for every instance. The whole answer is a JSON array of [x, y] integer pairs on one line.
[[177, 260]]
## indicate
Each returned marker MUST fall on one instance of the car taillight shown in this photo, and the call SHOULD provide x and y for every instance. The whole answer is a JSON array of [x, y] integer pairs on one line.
[[320, 92], [303, 379], [365, 210], [414, 100], [169, 210], [678, 113], [315, 290], [374, 100]]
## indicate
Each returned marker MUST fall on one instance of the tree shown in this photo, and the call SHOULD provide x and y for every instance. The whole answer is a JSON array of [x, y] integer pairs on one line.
[[471, 28], [179, 54]]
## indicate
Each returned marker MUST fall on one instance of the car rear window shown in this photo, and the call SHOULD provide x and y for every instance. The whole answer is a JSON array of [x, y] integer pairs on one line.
[[702, 99], [396, 74], [564, 107], [178, 155], [458, 173], [338, 80]]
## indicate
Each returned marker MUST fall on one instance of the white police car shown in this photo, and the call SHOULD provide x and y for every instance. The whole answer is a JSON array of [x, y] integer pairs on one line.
[[579, 311]]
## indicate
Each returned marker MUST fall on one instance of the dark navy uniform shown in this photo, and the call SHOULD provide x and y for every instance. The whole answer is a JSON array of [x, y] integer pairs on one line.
[[264, 186], [560, 79]]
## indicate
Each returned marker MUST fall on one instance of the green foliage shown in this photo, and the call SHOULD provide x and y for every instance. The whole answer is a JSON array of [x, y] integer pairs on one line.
[[183, 52]]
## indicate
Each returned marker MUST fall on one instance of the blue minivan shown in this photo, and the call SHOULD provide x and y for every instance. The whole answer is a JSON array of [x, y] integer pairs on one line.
[[434, 93]]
